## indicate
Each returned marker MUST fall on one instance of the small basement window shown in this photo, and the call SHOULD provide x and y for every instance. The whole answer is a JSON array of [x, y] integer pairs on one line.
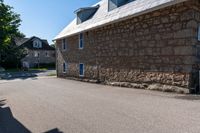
[[81, 43], [81, 69], [64, 67]]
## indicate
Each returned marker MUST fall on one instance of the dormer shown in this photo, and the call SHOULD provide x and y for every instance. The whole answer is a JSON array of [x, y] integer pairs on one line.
[[83, 14], [113, 4], [37, 43]]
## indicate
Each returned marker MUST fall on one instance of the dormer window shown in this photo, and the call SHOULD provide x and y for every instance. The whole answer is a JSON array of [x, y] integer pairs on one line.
[[37, 43], [83, 14], [113, 4]]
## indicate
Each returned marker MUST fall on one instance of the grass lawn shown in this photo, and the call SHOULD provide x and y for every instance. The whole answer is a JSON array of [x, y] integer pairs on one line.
[[38, 69], [13, 70], [52, 74], [31, 69]]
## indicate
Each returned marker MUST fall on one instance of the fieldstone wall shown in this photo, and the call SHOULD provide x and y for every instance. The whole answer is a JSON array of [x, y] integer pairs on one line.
[[32, 60], [156, 48]]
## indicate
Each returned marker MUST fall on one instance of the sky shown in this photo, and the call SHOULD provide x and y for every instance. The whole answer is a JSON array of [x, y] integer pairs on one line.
[[46, 18]]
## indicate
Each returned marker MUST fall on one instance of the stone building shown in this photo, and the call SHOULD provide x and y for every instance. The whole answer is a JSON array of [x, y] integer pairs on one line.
[[153, 44], [38, 51]]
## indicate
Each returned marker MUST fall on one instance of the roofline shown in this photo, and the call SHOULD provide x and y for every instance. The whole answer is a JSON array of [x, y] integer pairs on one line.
[[127, 17], [86, 8]]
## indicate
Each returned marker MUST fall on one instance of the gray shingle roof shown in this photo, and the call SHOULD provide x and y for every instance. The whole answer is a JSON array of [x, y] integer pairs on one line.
[[103, 17], [28, 43], [20, 41]]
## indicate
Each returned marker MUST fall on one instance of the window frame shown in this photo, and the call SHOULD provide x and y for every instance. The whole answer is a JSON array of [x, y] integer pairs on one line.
[[81, 41], [64, 67], [37, 43], [47, 54], [198, 34], [83, 69], [36, 54], [64, 44]]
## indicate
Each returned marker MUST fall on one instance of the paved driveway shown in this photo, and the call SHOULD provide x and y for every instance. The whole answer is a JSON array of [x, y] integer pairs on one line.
[[56, 105]]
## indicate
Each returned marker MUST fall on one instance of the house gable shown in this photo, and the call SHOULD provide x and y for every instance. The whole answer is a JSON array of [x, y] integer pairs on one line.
[[34, 43], [37, 43]]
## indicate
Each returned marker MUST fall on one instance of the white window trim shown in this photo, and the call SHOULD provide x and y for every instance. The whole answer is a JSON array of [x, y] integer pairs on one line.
[[83, 70], [81, 40], [36, 54], [65, 70], [37, 43]]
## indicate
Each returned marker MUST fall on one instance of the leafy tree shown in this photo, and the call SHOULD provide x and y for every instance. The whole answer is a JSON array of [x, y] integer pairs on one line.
[[9, 29], [53, 45]]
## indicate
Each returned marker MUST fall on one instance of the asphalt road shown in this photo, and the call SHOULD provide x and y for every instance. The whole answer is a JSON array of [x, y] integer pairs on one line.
[[54, 105], [26, 74]]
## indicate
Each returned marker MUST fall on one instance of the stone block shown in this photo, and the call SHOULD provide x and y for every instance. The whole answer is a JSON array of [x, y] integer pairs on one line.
[[184, 50], [185, 33], [167, 51], [192, 24]]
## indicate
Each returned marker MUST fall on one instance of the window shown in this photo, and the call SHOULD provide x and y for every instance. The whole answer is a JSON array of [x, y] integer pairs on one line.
[[64, 44], [64, 67], [84, 14], [199, 33], [81, 69], [81, 41], [47, 54], [113, 4], [37, 43], [36, 54]]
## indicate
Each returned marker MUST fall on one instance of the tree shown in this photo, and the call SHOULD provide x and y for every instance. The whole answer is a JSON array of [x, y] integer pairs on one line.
[[9, 29], [53, 45]]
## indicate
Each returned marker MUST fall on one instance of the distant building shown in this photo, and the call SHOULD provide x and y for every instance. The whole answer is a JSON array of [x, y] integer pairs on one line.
[[38, 51], [156, 42]]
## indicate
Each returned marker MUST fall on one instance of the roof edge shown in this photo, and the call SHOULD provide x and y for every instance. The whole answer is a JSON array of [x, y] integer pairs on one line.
[[127, 17]]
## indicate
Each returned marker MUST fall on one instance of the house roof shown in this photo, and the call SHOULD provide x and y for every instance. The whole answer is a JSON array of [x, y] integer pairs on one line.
[[104, 17], [20, 41], [28, 43]]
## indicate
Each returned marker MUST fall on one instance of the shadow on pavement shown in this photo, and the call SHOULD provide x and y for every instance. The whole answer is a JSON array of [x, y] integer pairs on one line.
[[8, 124], [188, 97], [56, 130], [18, 75], [23, 75]]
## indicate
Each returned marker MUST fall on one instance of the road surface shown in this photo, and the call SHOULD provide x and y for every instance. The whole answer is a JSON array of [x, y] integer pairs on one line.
[[52, 105]]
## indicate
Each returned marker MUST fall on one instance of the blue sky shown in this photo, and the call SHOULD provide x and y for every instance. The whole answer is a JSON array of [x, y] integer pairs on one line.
[[46, 18]]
